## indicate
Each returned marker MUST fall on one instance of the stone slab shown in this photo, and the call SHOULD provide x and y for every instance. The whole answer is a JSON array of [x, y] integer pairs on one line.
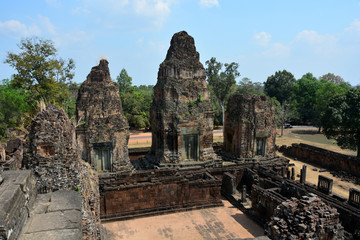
[[68, 234], [64, 200], [70, 219], [41, 204]]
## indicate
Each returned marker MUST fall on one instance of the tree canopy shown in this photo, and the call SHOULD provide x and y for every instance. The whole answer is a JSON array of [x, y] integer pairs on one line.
[[304, 97], [40, 71], [221, 83], [330, 77], [136, 101], [246, 86], [341, 120], [124, 81], [280, 85], [13, 106]]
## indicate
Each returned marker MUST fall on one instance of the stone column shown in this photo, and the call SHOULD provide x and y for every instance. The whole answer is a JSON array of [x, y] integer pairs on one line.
[[292, 173], [303, 174], [243, 194]]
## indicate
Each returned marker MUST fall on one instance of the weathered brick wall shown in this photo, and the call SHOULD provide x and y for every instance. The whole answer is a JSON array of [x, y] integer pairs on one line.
[[155, 191], [324, 158]]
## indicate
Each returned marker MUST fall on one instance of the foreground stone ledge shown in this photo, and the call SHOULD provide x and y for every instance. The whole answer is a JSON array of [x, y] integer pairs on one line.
[[55, 215], [17, 195]]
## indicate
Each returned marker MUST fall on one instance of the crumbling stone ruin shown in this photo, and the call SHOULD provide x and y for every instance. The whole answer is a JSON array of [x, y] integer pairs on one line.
[[305, 218], [182, 114], [185, 175], [11, 154], [250, 127], [102, 131], [51, 150], [52, 154]]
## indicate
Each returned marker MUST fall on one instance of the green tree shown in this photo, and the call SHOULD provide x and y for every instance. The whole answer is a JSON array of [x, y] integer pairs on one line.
[[280, 85], [221, 83], [124, 81], [246, 86], [304, 98], [341, 120], [136, 101], [40, 71], [69, 103], [13, 107], [326, 91], [136, 106]]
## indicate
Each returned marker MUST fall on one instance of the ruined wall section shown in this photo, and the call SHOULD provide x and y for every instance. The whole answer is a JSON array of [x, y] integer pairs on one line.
[[51, 151], [100, 118], [52, 154], [182, 103], [325, 158], [90, 198], [247, 119], [153, 192]]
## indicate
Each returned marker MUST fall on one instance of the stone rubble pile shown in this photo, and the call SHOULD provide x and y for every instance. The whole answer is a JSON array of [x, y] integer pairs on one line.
[[307, 218]]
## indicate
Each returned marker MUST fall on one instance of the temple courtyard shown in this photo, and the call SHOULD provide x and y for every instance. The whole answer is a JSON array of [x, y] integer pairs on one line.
[[225, 222]]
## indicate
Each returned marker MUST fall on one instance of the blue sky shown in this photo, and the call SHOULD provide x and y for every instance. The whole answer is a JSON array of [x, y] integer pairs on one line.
[[265, 36]]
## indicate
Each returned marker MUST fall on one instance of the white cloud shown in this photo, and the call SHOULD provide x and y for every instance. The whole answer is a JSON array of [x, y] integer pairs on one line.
[[262, 38], [154, 12], [16, 29], [47, 25], [209, 3], [319, 43], [69, 38], [277, 50], [41, 27], [354, 27], [159, 10]]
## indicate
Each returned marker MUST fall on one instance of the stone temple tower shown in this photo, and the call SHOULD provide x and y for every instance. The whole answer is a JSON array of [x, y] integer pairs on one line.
[[103, 131], [250, 127], [182, 114]]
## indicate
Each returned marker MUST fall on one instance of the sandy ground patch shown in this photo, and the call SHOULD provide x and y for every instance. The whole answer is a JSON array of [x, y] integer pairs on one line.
[[340, 187], [225, 222]]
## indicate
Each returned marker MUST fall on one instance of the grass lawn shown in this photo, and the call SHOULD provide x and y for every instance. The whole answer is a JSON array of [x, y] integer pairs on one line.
[[311, 137]]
